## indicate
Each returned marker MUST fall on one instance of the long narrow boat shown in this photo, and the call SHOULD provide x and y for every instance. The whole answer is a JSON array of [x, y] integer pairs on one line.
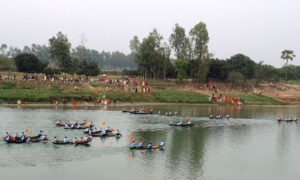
[[64, 123], [75, 127], [144, 113], [146, 148], [182, 125], [282, 120], [70, 142], [107, 135]]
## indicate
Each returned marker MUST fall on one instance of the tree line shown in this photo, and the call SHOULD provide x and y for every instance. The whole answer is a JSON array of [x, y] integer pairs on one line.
[[184, 56]]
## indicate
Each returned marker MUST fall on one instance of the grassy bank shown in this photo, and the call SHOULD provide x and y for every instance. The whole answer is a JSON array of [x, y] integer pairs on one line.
[[256, 99]]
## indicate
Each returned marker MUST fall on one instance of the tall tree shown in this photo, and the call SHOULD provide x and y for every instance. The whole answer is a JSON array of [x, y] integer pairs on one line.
[[60, 51], [179, 42], [287, 55], [200, 39], [29, 63]]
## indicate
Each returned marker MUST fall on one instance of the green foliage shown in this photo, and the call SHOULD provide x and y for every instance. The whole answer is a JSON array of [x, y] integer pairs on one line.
[[287, 55], [29, 63], [181, 68], [179, 42], [95, 84], [243, 64], [89, 68], [60, 51], [7, 64], [8, 85], [236, 78], [173, 96]]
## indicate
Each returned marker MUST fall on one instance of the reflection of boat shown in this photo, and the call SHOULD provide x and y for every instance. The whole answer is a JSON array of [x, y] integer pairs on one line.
[[182, 125], [145, 148]]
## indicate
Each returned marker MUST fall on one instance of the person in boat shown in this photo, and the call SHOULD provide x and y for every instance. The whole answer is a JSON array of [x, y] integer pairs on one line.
[[85, 139], [90, 132], [67, 125], [140, 144], [28, 140], [151, 111], [150, 146], [172, 121], [158, 112], [295, 118], [141, 111], [92, 124], [65, 139], [227, 116], [108, 129], [58, 122], [286, 119], [94, 130], [211, 116], [23, 138], [39, 134], [124, 110], [99, 129], [188, 121], [75, 140], [133, 144], [162, 143], [6, 135], [79, 126], [103, 133], [167, 113], [22, 135], [72, 126], [179, 123], [7, 138], [278, 118], [170, 113], [86, 130], [68, 122], [118, 132], [175, 113], [55, 139], [44, 137]]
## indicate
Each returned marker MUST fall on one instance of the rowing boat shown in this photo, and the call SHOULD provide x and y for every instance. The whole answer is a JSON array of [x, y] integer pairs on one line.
[[282, 120], [107, 135], [141, 113], [181, 125], [146, 148]]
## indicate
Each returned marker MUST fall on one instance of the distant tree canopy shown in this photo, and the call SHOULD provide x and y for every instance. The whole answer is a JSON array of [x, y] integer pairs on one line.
[[29, 63]]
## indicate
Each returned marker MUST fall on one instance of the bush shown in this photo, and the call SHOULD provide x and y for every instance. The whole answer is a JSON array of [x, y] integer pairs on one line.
[[8, 85]]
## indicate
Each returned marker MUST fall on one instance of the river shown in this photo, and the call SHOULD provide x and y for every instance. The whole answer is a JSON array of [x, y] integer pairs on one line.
[[250, 145]]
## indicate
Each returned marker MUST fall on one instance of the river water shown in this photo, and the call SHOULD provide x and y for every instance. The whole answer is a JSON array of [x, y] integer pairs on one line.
[[250, 145]]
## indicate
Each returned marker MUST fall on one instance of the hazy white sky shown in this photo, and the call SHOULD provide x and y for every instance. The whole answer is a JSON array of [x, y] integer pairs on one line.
[[260, 29]]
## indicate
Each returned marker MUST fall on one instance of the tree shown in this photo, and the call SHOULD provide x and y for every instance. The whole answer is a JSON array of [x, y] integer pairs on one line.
[[89, 68], [199, 37], [3, 48], [179, 42], [60, 51], [181, 68], [287, 55], [29, 63], [243, 64]]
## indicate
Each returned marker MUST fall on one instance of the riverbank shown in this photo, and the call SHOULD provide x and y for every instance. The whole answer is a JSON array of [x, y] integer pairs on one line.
[[47, 92]]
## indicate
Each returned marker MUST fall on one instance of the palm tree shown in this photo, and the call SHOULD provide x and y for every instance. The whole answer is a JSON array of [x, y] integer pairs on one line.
[[287, 55]]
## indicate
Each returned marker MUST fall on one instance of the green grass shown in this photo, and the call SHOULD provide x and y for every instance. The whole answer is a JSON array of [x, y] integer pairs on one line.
[[256, 99], [172, 96]]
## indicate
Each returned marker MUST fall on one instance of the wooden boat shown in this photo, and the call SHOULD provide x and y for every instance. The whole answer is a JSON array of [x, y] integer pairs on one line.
[[75, 127], [144, 113], [182, 125], [146, 148], [107, 135], [18, 140], [64, 123], [61, 142], [82, 142], [283, 120], [97, 132]]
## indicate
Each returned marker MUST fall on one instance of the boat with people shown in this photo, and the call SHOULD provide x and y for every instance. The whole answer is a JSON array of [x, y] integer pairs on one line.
[[180, 124], [287, 119], [141, 146], [22, 138], [61, 123], [84, 141]]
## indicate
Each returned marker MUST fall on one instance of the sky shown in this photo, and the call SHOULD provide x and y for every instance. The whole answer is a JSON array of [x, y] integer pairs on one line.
[[260, 29]]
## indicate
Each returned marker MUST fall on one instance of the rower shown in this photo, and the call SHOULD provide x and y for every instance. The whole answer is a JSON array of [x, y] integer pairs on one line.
[[175, 113], [118, 132], [15, 135], [67, 125], [179, 123], [85, 138], [6, 135], [86, 130], [22, 135], [167, 113], [211, 116], [227, 116], [65, 139], [68, 122], [150, 146], [141, 144], [286, 119], [92, 124], [55, 139], [189, 122], [75, 140], [44, 137], [94, 130], [79, 126], [162, 143], [58, 122], [28, 140], [72, 126], [99, 129], [158, 112], [103, 133], [39, 134], [108, 129], [23, 138], [295, 118], [278, 118], [133, 144], [170, 113], [172, 121], [7, 138]]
